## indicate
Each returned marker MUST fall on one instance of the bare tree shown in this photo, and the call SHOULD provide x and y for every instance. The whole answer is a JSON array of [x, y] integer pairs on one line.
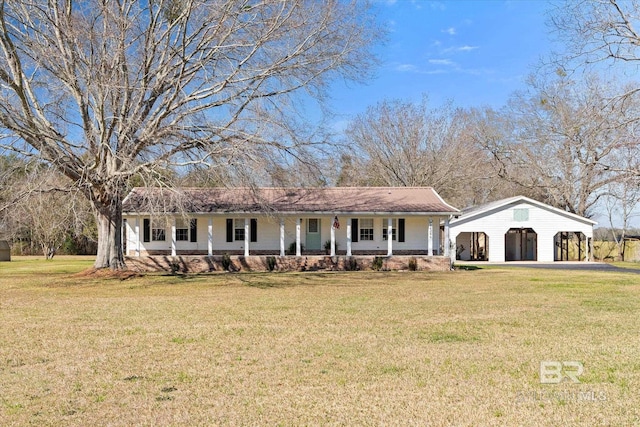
[[621, 200], [597, 31], [108, 90], [602, 35], [45, 210], [561, 138], [396, 143]]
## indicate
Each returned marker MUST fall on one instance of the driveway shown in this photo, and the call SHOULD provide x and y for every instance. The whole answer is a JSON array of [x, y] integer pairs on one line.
[[558, 265]]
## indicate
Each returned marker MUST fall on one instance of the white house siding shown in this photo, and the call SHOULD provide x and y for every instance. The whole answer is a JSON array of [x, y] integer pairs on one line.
[[546, 222], [268, 235]]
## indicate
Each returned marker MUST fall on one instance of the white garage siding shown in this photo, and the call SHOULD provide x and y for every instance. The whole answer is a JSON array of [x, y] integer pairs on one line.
[[495, 219]]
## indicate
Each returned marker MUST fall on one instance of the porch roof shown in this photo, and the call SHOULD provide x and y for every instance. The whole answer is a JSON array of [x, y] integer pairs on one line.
[[330, 200]]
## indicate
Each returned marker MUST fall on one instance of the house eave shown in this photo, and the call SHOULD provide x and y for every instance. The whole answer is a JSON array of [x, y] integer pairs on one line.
[[297, 213]]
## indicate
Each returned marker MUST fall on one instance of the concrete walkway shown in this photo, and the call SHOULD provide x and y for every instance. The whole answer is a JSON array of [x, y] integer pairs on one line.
[[557, 265]]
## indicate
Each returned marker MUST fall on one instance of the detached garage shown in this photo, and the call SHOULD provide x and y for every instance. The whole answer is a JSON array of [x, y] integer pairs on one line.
[[521, 229]]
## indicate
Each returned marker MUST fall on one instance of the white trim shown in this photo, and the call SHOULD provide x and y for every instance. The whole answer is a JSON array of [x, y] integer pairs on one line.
[[430, 237], [499, 204], [282, 253], [333, 241], [137, 236], [173, 237], [389, 236], [298, 249], [247, 236], [349, 236], [210, 237]]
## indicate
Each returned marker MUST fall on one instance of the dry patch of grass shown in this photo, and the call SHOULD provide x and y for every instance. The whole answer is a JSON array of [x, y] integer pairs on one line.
[[362, 348]]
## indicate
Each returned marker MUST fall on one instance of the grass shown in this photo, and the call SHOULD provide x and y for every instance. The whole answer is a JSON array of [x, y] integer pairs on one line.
[[356, 348]]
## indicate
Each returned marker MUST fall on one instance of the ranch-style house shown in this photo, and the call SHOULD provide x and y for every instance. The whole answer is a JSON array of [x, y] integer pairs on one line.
[[287, 221]]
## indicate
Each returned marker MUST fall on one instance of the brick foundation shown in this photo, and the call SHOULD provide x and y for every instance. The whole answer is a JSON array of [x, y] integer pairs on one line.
[[206, 264]]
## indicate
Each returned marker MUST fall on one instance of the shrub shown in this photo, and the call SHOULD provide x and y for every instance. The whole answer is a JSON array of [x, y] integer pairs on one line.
[[226, 262], [292, 248], [271, 263], [413, 264], [327, 247], [377, 263], [351, 264]]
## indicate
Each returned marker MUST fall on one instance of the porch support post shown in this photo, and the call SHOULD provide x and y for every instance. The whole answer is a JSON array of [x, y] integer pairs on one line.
[[246, 236], [430, 238], [298, 249], [333, 240], [173, 237], [579, 246], [348, 236], [281, 236], [446, 243], [389, 236], [137, 236], [210, 237]]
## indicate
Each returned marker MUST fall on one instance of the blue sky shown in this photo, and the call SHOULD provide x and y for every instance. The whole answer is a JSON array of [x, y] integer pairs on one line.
[[474, 53]]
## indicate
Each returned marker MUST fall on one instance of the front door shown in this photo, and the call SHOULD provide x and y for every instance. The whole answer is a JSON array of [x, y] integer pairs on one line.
[[313, 234]]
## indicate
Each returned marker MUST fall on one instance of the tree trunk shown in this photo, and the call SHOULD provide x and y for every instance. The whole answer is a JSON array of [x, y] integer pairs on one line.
[[109, 221]]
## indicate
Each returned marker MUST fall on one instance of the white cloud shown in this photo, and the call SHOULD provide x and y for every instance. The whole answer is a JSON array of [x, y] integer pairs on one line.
[[406, 68], [465, 48], [441, 62], [436, 5], [451, 31]]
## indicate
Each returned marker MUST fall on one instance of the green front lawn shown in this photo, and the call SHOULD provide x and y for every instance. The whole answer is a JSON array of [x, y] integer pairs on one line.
[[360, 348]]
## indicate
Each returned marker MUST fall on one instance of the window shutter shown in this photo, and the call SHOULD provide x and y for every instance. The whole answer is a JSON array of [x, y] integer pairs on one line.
[[254, 229], [229, 230], [146, 230], [193, 230], [400, 229], [354, 229]]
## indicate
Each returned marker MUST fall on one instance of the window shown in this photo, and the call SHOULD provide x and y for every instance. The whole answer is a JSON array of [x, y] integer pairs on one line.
[[385, 229], [157, 231], [312, 225], [521, 214], [182, 230], [238, 229], [366, 228]]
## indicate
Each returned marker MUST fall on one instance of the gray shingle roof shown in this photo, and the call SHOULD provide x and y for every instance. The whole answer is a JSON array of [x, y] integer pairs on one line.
[[417, 200]]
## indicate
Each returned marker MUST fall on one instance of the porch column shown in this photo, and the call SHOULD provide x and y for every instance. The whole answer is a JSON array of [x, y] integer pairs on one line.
[[246, 236], [446, 243], [348, 236], [333, 240], [210, 237], [430, 238], [173, 237], [298, 249], [281, 236], [389, 236], [137, 247]]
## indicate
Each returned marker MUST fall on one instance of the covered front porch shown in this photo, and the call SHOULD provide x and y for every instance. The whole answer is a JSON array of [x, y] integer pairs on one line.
[[292, 235]]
